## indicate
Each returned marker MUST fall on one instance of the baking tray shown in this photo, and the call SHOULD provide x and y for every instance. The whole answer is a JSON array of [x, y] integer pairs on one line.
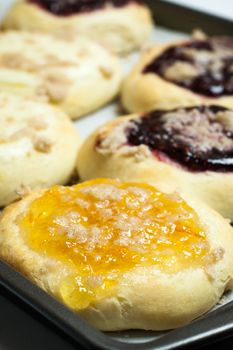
[[214, 326]]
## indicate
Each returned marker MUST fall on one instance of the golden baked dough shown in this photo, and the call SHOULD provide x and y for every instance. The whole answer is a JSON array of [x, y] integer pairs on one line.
[[38, 146], [123, 255], [148, 91], [107, 153], [116, 28], [62, 72]]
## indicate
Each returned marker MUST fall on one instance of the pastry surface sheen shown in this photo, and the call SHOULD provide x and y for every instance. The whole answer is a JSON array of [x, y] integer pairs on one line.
[[121, 253]]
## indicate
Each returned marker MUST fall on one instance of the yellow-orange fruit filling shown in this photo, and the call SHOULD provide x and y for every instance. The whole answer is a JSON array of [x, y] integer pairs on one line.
[[104, 228]]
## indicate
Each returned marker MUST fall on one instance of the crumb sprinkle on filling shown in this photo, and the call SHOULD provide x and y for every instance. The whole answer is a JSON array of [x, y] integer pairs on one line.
[[202, 66], [104, 228], [197, 138]]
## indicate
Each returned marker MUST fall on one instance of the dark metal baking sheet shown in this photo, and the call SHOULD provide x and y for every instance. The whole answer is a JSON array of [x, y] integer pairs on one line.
[[214, 326], [186, 19]]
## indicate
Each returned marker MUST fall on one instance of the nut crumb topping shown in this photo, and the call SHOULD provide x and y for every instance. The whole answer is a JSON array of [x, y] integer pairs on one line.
[[23, 191], [204, 131], [106, 72], [26, 126], [48, 67], [116, 141], [181, 70], [57, 86], [39, 142], [42, 145]]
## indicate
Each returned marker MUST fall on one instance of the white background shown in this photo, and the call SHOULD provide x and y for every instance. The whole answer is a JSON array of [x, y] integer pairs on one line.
[[223, 8]]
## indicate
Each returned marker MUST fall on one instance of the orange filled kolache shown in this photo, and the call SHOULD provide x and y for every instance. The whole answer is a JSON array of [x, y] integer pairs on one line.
[[123, 255]]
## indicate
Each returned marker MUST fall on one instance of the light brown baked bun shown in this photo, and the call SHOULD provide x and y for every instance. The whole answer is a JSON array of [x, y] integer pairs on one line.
[[121, 28], [64, 73], [38, 146], [189, 150], [181, 74], [123, 255]]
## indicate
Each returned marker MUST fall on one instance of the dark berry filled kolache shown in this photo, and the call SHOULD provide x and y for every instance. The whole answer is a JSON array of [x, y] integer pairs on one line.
[[184, 74], [71, 7], [112, 23], [189, 150], [202, 66]]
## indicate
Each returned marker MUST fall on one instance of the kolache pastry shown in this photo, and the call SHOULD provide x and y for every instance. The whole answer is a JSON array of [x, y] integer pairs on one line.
[[122, 255], [38, 147], [189, 150], [63, 73], [198, 71], [120, 25]]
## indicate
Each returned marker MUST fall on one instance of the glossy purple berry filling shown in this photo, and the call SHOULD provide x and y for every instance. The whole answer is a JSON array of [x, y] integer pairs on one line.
[[196, 138], [70, 7], [202, 66]]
